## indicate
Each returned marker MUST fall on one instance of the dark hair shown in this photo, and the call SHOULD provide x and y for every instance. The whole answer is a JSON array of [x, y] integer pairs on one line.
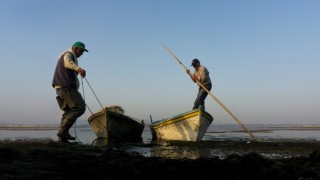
[[194, 61]]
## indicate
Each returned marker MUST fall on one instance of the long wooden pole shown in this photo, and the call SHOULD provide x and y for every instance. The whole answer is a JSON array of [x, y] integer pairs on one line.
[[216, 99]]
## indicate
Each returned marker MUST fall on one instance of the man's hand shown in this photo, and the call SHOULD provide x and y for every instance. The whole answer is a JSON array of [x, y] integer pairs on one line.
[[191, 75], [82, 72]]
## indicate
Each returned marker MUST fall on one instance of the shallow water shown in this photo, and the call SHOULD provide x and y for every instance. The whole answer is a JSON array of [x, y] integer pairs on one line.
[[148, 148]]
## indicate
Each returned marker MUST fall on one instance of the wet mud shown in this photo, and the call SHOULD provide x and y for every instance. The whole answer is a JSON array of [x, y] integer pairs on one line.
[[47, 159]]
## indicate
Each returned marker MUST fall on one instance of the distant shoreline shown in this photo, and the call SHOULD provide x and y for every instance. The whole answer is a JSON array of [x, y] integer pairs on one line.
[[28, 128], [258, 128], [34, 127], [270, 129]]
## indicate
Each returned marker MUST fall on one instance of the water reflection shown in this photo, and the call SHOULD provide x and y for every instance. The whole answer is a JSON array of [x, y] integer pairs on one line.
[[207, 148], [171, 152], [217, 148], [175, 152]]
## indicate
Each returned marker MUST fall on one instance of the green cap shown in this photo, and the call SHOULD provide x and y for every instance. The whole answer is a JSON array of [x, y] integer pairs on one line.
[[80, 45]]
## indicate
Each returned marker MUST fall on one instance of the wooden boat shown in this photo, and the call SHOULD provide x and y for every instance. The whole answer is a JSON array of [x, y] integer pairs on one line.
[[188, 126], [110, 125]]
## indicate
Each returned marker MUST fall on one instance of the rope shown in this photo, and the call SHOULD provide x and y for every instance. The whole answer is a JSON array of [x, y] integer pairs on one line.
[[93, 93], [106, 127], [109, 122], [75, 123]]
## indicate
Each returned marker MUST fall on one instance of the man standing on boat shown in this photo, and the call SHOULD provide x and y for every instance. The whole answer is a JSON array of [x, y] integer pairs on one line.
[[201, 74], [66, 84]]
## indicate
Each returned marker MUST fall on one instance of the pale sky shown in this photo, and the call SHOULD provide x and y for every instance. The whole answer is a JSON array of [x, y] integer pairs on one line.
[[263, 57]]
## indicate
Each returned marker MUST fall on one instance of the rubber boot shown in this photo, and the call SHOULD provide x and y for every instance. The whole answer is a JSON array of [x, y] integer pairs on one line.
[[63, 132]]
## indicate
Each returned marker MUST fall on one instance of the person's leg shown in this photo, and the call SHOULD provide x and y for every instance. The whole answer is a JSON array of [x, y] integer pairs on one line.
[[202, 94], [63, 132], [75, 107], [63, 106], [197, 102]]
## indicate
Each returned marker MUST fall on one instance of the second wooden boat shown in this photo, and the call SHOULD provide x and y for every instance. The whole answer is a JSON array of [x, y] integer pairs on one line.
[[188, 126]]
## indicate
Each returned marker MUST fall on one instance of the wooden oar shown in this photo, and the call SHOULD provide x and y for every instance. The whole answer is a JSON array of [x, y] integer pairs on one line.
[[216, 99]]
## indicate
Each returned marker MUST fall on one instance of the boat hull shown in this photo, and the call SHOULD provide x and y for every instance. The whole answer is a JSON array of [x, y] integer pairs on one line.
[[116, 126], [189, 126]]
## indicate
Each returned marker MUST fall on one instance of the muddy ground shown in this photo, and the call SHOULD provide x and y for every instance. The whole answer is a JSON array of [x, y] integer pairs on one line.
[[47, 159]]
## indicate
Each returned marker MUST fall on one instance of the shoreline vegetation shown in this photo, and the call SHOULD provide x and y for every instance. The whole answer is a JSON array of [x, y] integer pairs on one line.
[[47, 159]]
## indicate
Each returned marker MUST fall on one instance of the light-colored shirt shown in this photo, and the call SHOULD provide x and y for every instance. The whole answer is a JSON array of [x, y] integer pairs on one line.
[[202, 75]]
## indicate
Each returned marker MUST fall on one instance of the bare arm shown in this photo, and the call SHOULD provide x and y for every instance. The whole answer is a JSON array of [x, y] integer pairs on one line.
[[192, 76]]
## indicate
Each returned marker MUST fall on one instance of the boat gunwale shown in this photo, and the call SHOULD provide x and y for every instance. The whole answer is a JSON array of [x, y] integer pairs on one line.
[[181, 117], [122, 116]]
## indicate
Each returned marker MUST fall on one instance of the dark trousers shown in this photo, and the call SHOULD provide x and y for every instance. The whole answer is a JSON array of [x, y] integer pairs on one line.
[[73, 106], [201, 96]]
